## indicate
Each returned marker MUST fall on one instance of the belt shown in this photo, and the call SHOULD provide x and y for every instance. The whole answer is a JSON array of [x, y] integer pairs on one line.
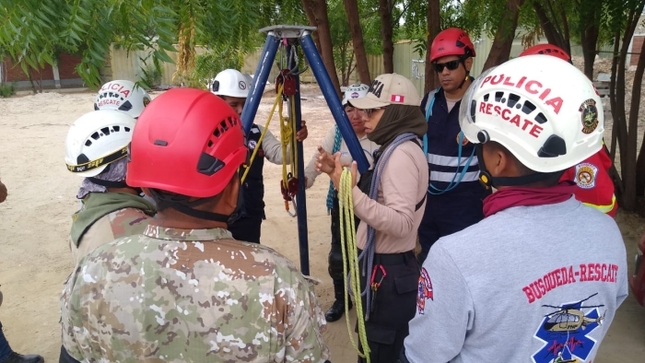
[[392, 258]]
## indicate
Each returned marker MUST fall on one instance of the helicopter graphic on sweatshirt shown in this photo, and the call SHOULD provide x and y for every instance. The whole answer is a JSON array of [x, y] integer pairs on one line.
[[564, 331]]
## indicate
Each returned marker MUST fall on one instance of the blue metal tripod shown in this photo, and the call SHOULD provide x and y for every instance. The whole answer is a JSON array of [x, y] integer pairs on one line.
[[301, 34]]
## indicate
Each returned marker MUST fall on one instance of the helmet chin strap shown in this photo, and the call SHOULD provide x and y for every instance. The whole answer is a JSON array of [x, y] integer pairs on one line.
[[506, 181], [462, 60], [182, 204]]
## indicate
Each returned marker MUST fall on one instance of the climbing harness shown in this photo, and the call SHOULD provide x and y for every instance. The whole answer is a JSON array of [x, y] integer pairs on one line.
[[350, 261], [456, 179]]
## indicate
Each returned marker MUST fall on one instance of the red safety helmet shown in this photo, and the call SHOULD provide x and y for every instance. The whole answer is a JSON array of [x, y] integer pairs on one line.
[[548, 49], [188, 142], [452, 41]]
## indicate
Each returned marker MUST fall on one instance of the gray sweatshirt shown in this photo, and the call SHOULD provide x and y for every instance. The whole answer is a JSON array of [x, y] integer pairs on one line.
[[527, 284]]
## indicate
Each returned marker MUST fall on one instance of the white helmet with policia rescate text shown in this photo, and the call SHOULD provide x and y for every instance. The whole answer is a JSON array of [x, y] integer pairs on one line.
[[231, 83], [97, 139], [124, 96], [357, 90], [543, 110]]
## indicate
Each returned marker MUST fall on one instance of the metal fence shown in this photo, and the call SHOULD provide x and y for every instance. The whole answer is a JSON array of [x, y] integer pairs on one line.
[[407, 62]]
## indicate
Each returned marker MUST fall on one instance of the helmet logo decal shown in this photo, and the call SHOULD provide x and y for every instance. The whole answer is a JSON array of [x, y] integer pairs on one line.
[[242, 85], [355, 95], [531, 86], [589, 116]]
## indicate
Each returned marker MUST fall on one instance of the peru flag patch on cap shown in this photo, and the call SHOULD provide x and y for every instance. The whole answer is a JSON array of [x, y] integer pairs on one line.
[[397, 98]]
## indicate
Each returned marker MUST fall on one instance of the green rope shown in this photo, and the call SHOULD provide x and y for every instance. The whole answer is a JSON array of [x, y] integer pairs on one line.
[[350, 261]]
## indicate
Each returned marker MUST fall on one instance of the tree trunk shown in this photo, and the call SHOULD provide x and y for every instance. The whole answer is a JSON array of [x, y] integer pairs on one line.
[[627, 134], [353, 18], [589, 41], [553, 35], [589, 31], [639, 168], [501, 48], [434, 27], [387, 32], [316, 11]]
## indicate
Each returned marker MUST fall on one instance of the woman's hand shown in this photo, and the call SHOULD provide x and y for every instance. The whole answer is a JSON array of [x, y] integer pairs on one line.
[[338, 171]]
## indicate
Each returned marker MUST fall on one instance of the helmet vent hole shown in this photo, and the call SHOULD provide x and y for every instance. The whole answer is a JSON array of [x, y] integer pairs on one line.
[[473, 110], [224, 126], [95, 136], [553, 146], [88, 143], [82, 159], [486, 97], [528, 107], [210, 144], [127, 129], [217, 132], [105, 130], [540, 118], [513, 99], [498, 96], [126, 106], [209, 165], [116, 128]]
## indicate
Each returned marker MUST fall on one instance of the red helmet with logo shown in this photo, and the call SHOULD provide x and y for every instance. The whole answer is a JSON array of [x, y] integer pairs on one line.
[[188, 142], [548, 49], [452, 41]]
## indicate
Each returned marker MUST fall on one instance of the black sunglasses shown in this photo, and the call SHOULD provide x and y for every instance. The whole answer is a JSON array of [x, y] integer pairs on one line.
[[452, 65]]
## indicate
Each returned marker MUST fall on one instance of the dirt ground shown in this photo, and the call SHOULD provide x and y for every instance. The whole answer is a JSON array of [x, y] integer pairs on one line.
[[35, 220]]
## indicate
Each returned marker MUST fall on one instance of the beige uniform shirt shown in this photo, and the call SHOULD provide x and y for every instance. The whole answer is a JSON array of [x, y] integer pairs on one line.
[[404, 183]]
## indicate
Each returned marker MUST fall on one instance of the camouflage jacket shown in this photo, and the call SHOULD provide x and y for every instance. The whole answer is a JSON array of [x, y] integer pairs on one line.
[[178, 295], [105, 217]]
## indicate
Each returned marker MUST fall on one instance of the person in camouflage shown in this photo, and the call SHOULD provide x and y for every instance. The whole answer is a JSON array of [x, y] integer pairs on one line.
[[95, 149], [184, 290]]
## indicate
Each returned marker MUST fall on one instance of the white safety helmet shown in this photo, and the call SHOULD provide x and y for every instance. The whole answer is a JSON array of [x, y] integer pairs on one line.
[[544, 111], [122, 95], [97, 139], [231, 83], [357, 90]]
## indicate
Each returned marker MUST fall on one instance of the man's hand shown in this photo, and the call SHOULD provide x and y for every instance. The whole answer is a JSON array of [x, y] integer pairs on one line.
[[325, 162], [3, 192], [302, 134]]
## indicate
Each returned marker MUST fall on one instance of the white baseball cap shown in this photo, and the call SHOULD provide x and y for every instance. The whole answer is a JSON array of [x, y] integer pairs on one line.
[[389, 89], [355, 91]]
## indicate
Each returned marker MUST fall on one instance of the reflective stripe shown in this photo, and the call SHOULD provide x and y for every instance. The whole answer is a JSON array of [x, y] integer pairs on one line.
[[447, 177], [449, 160], [603, 208]]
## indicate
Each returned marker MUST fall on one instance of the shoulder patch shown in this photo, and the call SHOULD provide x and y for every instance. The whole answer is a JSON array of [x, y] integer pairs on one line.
[[586, 175], [424, 291]]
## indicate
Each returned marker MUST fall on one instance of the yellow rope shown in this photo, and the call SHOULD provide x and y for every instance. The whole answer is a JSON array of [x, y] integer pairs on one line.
[[277, 102], [350, 261], [288, 140]]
